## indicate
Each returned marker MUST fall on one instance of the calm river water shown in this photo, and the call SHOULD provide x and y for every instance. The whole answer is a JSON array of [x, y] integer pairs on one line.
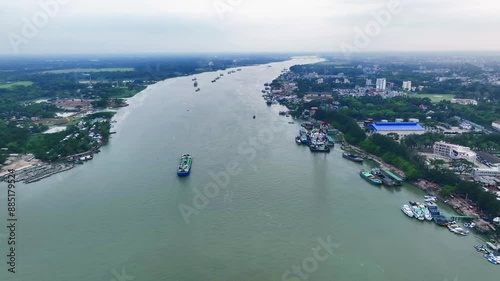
[[263, 203]]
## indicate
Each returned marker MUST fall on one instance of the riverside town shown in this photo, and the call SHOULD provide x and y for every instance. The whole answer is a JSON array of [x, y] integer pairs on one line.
[[250, 140]]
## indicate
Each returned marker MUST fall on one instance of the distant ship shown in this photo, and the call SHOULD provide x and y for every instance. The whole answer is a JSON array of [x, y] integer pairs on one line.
[[198, 89], [184, 168], [196, 84]]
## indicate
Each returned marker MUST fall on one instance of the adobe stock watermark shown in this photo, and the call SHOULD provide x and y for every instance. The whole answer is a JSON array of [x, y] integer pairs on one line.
[[221, 7], [40, 19], [222, 179], [121, 276], [310, 264], [381, 19]]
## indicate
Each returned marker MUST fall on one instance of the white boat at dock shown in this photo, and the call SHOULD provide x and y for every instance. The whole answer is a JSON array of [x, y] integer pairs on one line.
[[458, 230], [418, 213], [406, 209], [427, 213]]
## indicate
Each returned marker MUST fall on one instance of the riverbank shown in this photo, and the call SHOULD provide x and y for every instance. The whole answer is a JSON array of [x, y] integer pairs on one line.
[[459, 205]]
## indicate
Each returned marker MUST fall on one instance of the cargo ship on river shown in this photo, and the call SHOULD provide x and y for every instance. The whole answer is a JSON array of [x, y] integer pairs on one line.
[[184, 168]]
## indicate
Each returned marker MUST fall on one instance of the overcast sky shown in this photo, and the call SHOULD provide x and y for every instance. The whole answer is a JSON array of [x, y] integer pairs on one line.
[[166, 26]]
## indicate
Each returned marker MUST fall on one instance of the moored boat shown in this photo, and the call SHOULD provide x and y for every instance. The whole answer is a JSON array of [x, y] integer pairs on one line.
[[370, 178], [352, 157], [458, 230], [406, 209], [397, 180], [385, 179], [418, 213], [184, 168], [319, 148], [492, 258], [427, 213]]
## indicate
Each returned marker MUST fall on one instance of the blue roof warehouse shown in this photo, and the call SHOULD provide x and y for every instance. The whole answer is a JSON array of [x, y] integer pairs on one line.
[[400, 128]]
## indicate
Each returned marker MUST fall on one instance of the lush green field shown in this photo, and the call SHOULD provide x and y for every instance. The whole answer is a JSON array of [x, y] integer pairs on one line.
[[434, 98], [20, 83], [73, 70]]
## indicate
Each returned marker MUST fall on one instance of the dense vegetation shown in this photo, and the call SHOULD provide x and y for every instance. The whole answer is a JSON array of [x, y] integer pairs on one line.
[[414, 165], [24, 80]]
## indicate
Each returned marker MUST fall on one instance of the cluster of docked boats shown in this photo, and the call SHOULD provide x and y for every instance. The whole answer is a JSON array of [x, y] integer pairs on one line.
[[317, 139], [455, 228], [487, 254], [417, 210], [429, 211], [378, 177]]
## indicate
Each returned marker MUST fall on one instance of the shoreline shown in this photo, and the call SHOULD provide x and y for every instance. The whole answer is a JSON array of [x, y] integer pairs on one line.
[[38, 170], [459, 205]]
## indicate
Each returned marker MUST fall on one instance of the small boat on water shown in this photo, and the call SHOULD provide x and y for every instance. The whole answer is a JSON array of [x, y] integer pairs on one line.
[[198, 89], [418, 213], [427, 213], [458, 230], [352, 157], [441, 220], [406, 209], [385, 179], [370, 178], [195, 84], [397, 180], [482, 249], [184, 168], [492, 258]]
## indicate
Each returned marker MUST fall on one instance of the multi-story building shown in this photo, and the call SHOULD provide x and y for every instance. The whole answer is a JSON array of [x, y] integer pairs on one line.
[[464, 101], [381, 84], [490, 172], [453, 151], [407, 85]]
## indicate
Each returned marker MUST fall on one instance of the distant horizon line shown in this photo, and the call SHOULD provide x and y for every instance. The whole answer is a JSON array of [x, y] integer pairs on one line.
[[216, 53]]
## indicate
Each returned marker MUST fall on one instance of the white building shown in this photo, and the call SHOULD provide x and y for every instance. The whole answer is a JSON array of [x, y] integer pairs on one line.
[[407, 85], [464, 101], [453, 151], [368, 82], [381, 84], [490, 172], [496, 125]]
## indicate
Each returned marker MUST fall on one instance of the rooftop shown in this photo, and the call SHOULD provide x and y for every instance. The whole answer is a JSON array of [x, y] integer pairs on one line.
[[488, 157], [396, 126]]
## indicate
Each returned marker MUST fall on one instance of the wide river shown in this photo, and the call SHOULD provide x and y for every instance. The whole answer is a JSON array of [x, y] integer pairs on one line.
[[262, 204]]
